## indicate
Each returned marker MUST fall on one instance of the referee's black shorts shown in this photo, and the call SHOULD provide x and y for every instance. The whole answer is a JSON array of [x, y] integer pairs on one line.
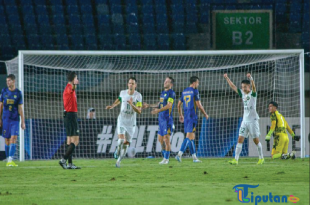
[[71, 124]]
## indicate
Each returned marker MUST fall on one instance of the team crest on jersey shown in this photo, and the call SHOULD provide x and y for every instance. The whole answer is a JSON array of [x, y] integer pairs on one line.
[[248, 97], [15, 96], [165, 95]]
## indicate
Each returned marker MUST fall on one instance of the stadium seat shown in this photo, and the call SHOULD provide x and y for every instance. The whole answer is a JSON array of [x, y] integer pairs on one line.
[[71, 2], [39, 2], [74, 20], [57, 9], [280, 8], [161, 19], [4, 29], [87, 19], [177, 9], [56, 2], [97, 2], [31, 29], [177, 28], [131, 2], [85, 2], [89, 29], [41, 10], [27, 10], [190, 28], [76, 29], [90, 39], [115, 2], [117, 19], [73, 10], [148, 28], [163, 41], [162, 28], [118, 29], [131, 9], [17, 39], [59, 19], [46, 40], [147, 9], [102, 9], [30, 19], [149, 42], [134, 41], [103, 19], [120, 41], [179, 19], [104, 29], [105, 42], [62, 39], [133, 28], [116, 9], [9, 2], [161, 9], [77, 42], [295, 25], [13, 19], [5, 39], [148, 19], [296, 7], [11, 10], [60, 29], [25, 2], [43, 19], [191, 19], [146, 2], [86, 10], [46, 29]]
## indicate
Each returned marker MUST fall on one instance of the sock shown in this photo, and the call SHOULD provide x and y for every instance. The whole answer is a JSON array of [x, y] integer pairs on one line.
[[70, 157], [238, 151], [167, 154], [192, 147], [7, 151], [10, 159], [260, 150], [276, 156], [184, 145], [120, 144], [69, 151], [163, 152], [194, 156], [12, 150], [123, 152]]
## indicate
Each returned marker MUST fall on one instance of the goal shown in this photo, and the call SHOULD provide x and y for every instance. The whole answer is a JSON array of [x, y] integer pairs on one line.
[[278, 75]]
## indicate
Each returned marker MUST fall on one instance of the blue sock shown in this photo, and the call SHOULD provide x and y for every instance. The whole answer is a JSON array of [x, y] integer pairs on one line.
[[12, 150], [163, 153], [184, 145], [167, 154], [7, 150], [193, 149]]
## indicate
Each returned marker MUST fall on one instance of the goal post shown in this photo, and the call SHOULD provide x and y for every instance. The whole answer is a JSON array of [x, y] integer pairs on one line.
[[279, 75]]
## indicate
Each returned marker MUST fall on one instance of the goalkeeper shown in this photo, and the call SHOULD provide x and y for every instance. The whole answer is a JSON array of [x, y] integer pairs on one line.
[[279, 127]]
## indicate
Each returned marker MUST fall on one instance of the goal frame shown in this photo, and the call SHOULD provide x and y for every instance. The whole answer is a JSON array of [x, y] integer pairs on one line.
[[21, 54]]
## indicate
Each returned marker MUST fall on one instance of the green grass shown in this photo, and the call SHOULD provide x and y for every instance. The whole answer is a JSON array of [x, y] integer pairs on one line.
[[143, 181]]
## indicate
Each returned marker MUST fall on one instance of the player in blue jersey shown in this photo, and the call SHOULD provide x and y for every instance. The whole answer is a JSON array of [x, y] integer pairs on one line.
[[191, 101], [11, 107], [165, 120]]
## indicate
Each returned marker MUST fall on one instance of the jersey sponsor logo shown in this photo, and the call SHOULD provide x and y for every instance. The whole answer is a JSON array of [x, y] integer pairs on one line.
[[10, 102], [242, 191]]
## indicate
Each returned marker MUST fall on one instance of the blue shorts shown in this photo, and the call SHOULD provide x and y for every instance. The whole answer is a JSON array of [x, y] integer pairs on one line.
[[190, 126], [10, 128], [165, 128]]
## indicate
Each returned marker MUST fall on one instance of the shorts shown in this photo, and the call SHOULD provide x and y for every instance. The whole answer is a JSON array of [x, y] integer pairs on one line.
[[280, 144], [71, 124], [165, 128], [128, 131], [249, 128], [10, 128], [190, 126]]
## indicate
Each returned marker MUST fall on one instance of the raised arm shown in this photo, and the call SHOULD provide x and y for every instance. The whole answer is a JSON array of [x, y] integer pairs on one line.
[[21, 113], [252, 82], [231, 84], [200, 107], [116, 102]]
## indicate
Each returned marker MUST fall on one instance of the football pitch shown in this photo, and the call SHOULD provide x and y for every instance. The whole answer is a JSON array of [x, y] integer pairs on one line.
[[144, 181]]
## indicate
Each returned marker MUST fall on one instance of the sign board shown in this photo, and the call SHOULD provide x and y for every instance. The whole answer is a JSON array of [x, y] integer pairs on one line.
[[240, 29]]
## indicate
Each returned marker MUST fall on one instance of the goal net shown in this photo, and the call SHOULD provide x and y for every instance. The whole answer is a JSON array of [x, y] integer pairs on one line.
[[42, 78]]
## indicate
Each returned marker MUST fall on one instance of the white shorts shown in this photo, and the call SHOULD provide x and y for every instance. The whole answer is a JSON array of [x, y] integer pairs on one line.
[[128, 131], [249, 128]]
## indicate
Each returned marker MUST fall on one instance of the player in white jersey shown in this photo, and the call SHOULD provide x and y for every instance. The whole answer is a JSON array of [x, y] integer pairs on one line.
[[131, 103], [249, 125]]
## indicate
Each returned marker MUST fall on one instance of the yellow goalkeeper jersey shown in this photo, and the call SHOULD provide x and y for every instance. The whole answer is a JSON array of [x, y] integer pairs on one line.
[[279, 124]]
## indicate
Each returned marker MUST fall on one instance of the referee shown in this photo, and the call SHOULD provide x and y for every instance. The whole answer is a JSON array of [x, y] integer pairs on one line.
[[71, 123]]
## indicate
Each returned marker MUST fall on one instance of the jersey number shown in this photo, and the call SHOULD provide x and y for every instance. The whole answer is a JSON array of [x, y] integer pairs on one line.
[[187, 99], [10, 108], [128, 107]]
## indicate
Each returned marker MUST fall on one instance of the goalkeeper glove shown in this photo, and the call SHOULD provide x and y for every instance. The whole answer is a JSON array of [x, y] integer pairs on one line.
[[296, 138], [267, 138]]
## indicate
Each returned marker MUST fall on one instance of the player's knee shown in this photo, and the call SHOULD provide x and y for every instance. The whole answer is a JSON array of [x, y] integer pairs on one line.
[[240, 139]]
